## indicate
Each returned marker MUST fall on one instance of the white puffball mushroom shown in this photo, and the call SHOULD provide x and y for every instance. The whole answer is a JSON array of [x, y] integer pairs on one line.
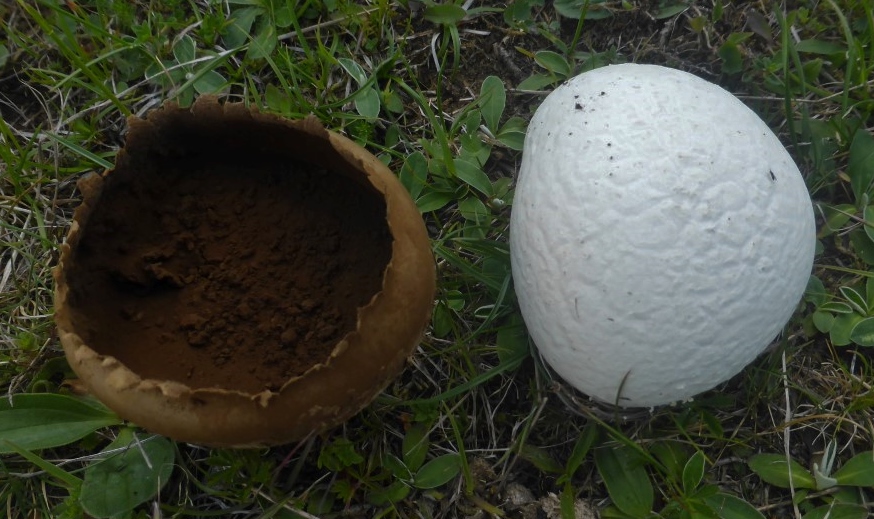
[[661, 235]]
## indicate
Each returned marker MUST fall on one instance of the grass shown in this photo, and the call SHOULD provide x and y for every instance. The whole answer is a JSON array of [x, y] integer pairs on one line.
[[476, 426]]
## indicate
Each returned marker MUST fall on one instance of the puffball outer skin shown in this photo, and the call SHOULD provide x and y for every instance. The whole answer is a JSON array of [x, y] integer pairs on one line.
[[661, 235]]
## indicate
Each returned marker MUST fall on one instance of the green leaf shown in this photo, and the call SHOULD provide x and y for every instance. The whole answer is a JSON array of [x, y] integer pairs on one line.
[[276, 99], [537, 81], [210, 83], [512, 134], [512, 341], [473, 176], [863, 246], [855, 300], [124, 479], [732, 59], [693, 472], [442, 320], [868, 215], [367, 103], [353, 69], [414, 173], [858, 471], [835, 218], [611, 512], [774, 469], [869, 292], [842, 328], [339, 455], [392, 101], [728, 506], [448, 14], [184, 50], [468, 121], [240, 26], [815, 291], [626, 479], [473, 210], [863, 332], [553, 62], [434, 200], [836, 307], [823, 321], [581, 449], [673, 456], [4, 55], [393, 493], [836, 510], [43, 420], [671, 10], [397, 467], [861, 163], [493, 99], [263, 42], [758, 23], [473, 149], [540, 458], [575, 8], [438, 472], [283, 16], [714, 424], [518, 12], [814, 46], [415, 446]]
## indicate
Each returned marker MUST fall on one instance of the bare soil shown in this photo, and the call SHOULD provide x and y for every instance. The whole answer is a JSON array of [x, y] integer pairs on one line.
[[222, 271]]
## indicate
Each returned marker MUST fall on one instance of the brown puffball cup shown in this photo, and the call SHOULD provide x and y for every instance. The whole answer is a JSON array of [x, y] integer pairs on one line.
[[239, 279]]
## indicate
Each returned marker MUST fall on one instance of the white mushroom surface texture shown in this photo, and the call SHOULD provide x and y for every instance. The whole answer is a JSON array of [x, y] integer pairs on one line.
[[661, 235]]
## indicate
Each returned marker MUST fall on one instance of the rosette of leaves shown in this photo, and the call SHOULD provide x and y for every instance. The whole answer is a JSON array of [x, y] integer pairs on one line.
[[848, 318], [848, 487]]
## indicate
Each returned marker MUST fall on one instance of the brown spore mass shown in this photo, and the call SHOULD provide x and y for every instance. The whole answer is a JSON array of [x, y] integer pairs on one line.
[[216, 264]]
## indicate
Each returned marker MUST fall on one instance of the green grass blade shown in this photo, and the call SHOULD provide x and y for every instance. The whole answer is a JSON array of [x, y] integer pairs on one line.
[[79, 150], [64, 477]]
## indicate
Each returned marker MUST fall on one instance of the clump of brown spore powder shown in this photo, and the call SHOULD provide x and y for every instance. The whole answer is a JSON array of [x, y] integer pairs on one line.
[[226, 269]]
